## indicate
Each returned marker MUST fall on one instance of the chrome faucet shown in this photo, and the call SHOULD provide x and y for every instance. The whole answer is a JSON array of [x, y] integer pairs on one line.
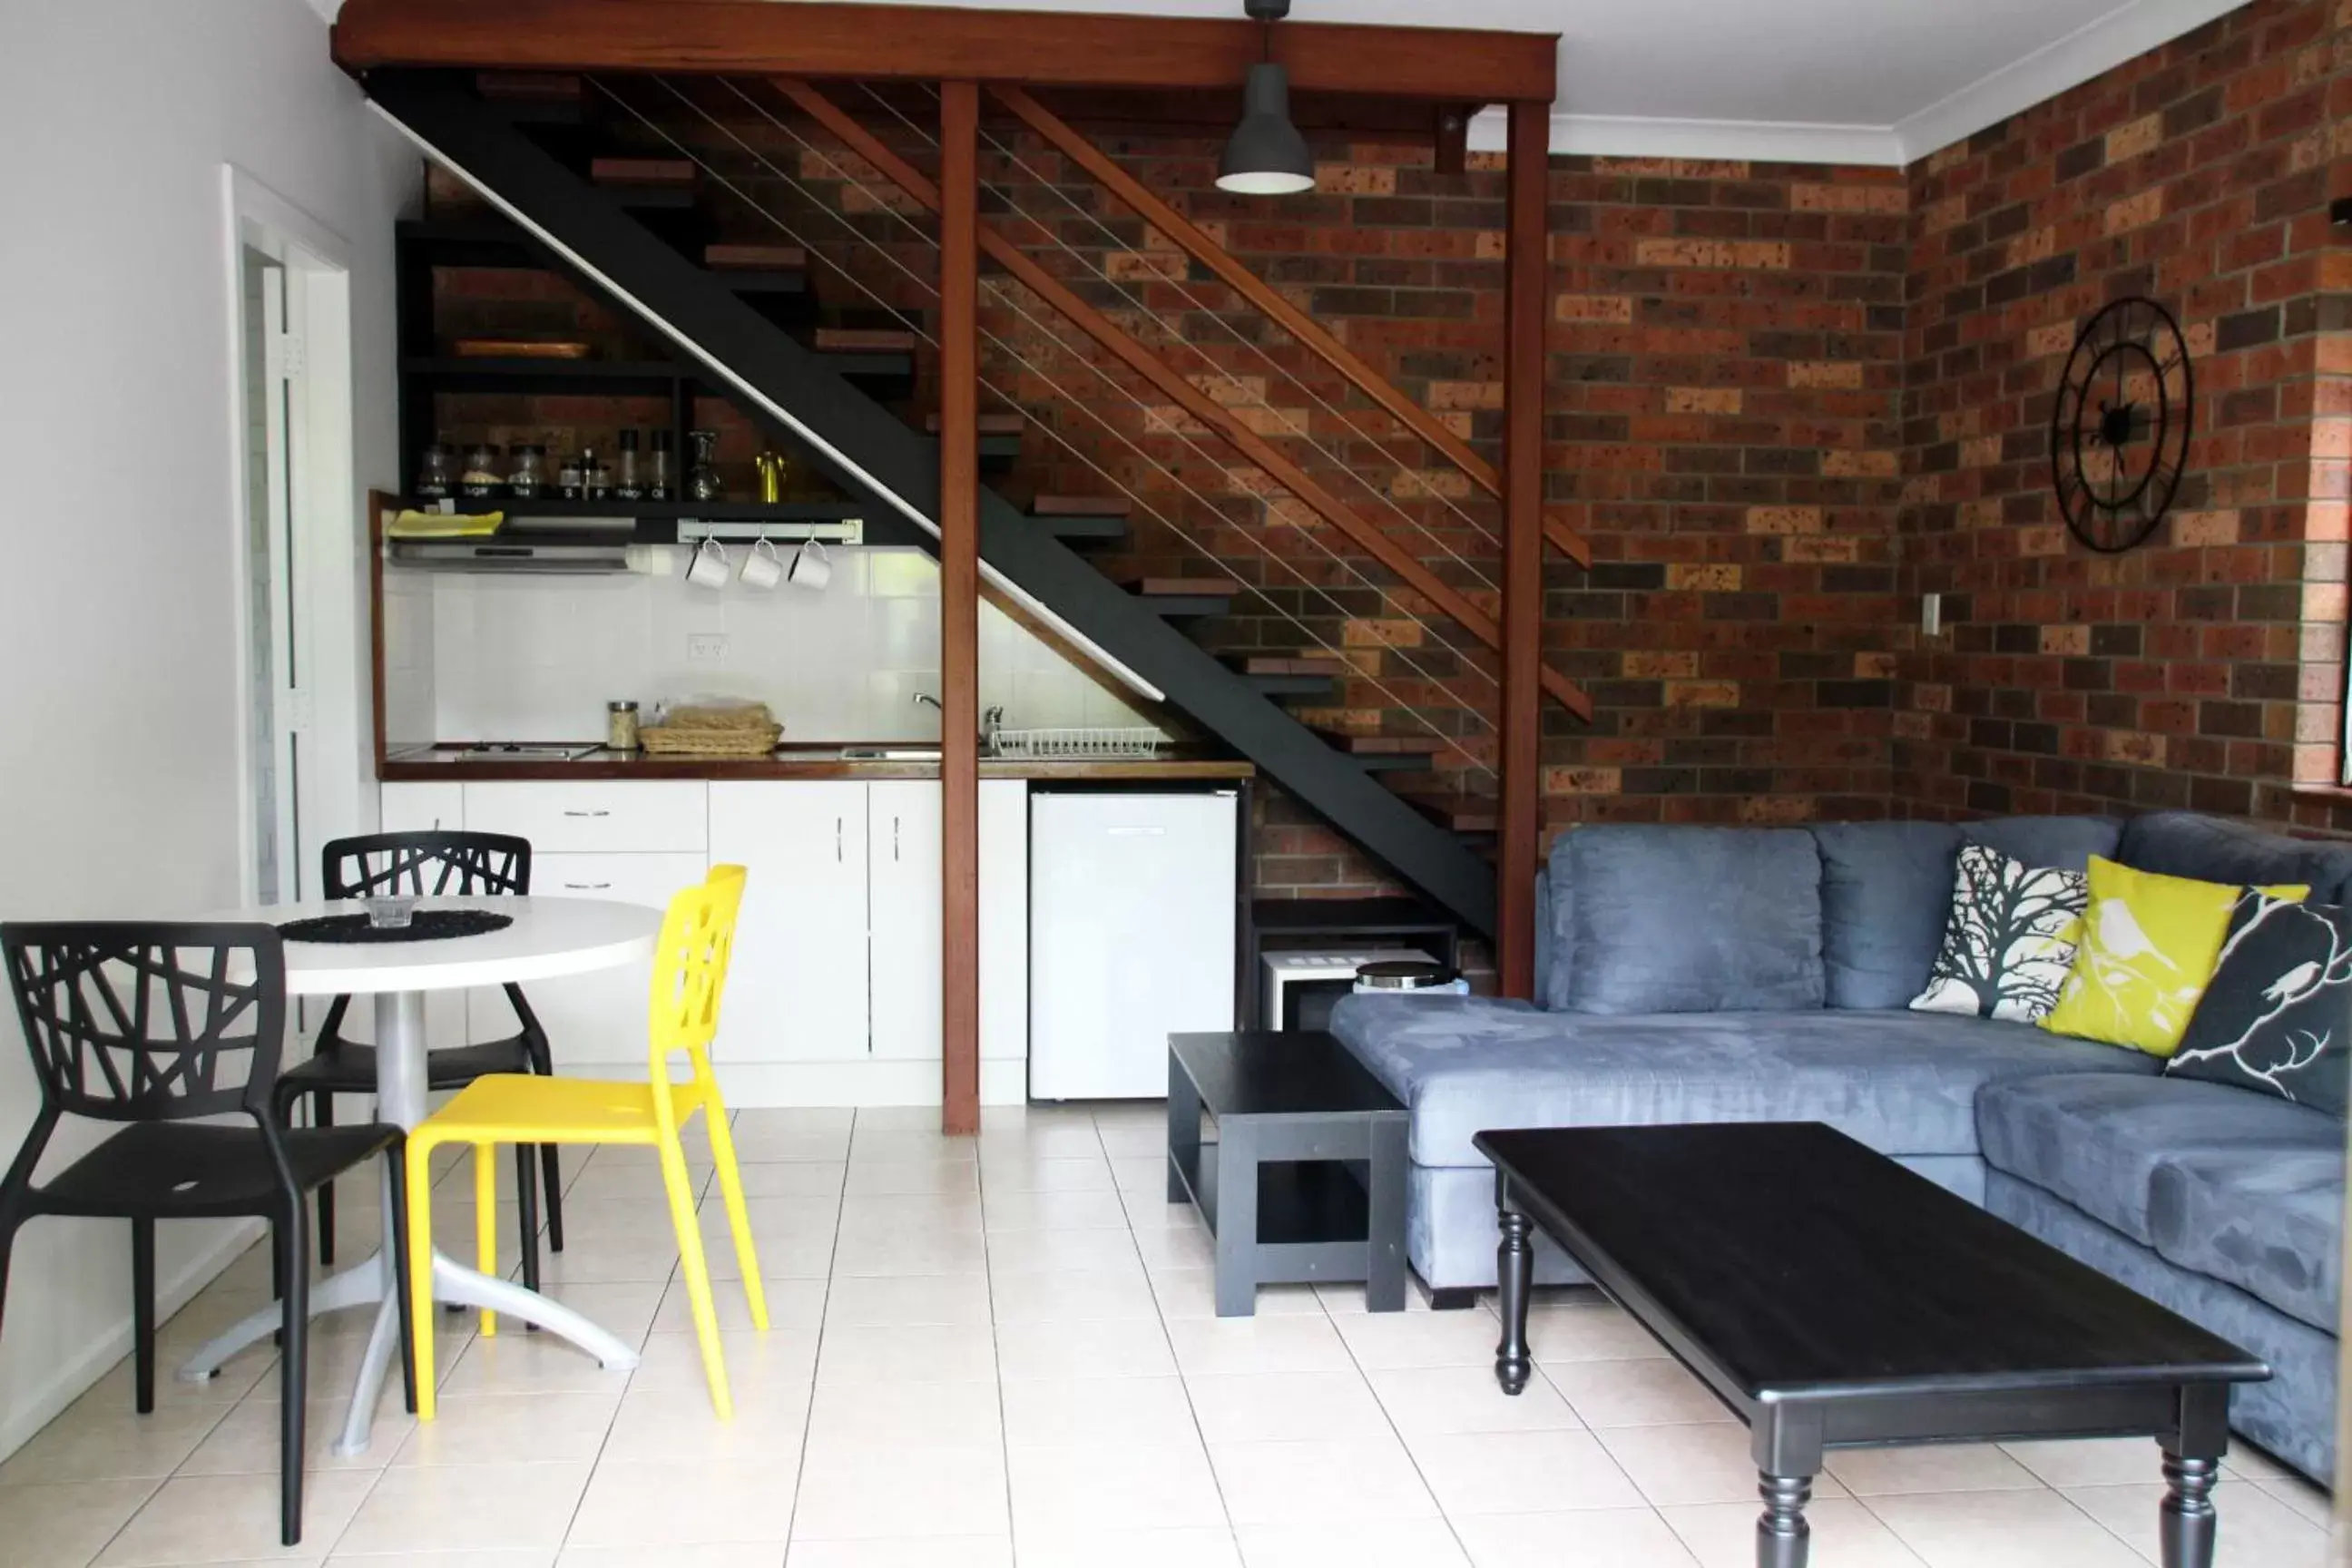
[[924, 699]]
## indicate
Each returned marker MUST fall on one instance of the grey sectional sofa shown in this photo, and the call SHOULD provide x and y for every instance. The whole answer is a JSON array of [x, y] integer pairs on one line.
[[1716, 975]]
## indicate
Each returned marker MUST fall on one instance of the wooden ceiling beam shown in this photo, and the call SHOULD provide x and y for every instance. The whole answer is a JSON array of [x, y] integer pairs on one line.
[[932, 42]]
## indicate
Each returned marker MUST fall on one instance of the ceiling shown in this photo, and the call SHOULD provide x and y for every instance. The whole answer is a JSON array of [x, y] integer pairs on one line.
[[1867, 81]]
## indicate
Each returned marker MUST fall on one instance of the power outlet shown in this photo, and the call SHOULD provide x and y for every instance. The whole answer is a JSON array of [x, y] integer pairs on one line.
[[706, 648]]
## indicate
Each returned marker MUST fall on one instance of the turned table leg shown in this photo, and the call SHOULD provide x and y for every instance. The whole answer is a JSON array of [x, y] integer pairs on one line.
[[1783, 1539], [2186, 1520], [1515, 1263]]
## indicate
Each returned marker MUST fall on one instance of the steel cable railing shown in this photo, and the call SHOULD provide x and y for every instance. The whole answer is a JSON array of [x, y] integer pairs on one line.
[[882, 204]]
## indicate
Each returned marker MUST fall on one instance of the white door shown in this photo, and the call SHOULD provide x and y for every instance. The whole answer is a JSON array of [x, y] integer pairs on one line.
[[595, 1022], [277, 659], [904, 891], [1131, 928], [797, 990]]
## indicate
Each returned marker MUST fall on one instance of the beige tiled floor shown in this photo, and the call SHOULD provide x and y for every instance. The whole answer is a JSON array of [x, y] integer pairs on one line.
[[1005, 1352]]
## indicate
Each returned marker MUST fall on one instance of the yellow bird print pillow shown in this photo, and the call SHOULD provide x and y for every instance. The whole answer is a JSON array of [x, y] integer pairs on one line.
[[2150, 944]]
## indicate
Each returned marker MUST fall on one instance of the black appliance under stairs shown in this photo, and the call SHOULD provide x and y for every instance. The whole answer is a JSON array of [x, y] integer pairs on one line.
[[602, 239]]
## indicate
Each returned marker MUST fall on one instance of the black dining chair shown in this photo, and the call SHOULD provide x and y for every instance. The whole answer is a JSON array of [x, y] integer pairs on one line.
[[155, 1024], [433, 862]]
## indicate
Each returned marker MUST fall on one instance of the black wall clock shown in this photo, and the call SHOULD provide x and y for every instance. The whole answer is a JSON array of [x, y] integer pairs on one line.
[[2119, 435]]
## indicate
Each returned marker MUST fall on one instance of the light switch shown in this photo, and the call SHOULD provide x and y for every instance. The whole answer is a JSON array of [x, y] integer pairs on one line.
[[1931, 614]]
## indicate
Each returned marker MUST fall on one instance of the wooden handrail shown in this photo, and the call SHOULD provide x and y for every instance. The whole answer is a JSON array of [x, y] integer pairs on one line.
[[1192, 399], [1198, 245]]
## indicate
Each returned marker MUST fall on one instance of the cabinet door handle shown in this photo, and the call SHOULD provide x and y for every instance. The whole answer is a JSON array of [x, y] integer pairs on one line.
[[588, 887], [894, 838], [587, 813], [836, 840]]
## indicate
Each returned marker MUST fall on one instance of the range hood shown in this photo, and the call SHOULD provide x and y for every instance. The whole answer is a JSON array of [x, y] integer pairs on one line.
[[574, 557]]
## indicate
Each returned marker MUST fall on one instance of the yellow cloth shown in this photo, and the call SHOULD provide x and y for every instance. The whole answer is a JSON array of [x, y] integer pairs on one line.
[[444, 524], [2148, 947]]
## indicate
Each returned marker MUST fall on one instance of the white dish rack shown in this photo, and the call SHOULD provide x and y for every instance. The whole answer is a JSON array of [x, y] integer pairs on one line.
[[1079, 742]]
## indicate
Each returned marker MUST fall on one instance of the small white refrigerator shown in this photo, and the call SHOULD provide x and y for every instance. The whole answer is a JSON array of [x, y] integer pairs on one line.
[[1131, 936]]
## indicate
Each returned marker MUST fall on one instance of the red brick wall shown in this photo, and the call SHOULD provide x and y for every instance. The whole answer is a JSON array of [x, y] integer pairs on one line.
[[2203, 669]]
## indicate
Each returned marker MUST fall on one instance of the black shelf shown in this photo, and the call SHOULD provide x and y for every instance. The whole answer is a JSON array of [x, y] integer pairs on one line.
[[526, 375], [667, 511]]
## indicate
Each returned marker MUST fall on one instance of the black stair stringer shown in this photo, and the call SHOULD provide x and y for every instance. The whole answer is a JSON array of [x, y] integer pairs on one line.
[[441, 110]]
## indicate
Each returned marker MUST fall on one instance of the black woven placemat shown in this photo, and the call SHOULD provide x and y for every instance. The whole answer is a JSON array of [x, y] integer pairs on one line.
[[425, 925]]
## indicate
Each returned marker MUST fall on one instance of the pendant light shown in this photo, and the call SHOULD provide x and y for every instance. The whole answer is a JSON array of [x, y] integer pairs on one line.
[[1266, 155]]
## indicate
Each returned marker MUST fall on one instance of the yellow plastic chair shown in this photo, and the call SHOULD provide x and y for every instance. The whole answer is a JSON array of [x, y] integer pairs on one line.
[[698, 938]]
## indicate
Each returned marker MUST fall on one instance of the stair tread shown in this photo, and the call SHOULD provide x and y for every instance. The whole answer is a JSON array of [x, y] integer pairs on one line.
[[1081, 506], [1271, 664], [536, 87], [1181, 587], [754, 257], [642, 171], [990, 424], [1378, 746], [1462, 812], [864, 340]]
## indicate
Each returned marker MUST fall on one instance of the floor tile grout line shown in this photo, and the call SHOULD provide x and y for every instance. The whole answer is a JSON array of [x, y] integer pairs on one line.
[[1184, 1380], [996, 1354], [817, 1354]]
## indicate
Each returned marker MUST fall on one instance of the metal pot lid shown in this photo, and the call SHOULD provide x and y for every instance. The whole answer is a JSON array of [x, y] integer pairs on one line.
[[1405, 975]]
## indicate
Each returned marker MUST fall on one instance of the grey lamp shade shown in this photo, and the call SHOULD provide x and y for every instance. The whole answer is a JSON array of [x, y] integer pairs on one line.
[[1266, 156]]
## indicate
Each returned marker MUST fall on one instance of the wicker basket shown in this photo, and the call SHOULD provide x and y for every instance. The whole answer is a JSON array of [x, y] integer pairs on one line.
[[709, 740], [745, 730]]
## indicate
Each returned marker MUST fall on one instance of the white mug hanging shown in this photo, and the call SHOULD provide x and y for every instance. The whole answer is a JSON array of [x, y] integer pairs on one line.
[[810, 569], [761, 568], [708, 568]]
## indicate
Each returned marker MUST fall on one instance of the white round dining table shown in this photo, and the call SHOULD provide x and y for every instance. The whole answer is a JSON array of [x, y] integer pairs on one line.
[[549, 937]]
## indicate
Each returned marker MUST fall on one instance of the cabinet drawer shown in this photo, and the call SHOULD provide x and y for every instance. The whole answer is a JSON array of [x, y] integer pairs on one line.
[[595, 1020], [593, 816]]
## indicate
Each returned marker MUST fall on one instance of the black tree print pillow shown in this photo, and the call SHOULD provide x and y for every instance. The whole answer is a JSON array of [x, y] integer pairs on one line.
[[2274, 1016], [2009, 940]]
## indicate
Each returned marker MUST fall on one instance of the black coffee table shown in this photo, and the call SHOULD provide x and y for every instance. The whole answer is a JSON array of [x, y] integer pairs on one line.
[[1830, 1297], [1304, 1183]]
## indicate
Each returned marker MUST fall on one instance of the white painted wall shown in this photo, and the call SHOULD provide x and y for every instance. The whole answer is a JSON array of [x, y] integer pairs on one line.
[[491, 657], [118, 625]]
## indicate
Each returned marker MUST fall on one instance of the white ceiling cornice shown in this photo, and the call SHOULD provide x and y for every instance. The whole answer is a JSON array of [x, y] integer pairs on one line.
[[2097, 46]]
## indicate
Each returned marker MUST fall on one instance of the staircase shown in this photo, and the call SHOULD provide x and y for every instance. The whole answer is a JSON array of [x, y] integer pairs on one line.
[[750, 320]]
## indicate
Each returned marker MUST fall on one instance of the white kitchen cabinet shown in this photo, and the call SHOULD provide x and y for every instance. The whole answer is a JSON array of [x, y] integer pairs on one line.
[[904, 879], [1005, 921], [593, 816], [595, 1020], [797, 989]]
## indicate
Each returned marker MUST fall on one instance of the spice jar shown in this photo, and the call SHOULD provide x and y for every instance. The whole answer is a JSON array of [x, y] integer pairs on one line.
[[483, 476], [659, 482], [595, 475], [437, 473], [620, 726], [526, 471], [628, 478], [567, 480]]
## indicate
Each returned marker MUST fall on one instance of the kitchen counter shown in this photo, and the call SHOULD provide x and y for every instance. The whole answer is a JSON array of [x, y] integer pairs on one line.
[[422, 765]]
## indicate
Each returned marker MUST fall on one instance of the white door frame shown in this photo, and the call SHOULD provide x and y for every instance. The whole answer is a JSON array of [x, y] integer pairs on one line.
[[325, 518]]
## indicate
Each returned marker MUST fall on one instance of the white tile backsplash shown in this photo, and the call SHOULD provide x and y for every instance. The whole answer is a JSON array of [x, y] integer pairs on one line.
[[524, 658]]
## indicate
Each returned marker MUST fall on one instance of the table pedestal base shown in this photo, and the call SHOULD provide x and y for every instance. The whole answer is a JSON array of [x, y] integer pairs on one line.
[[401, 1099]]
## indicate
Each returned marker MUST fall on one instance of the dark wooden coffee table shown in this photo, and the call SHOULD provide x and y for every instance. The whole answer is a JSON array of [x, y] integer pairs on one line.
[[1306, 1180], [1831, 1299]]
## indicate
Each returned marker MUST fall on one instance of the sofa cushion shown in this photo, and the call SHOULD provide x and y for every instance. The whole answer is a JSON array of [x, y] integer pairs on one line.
[[2215, 849], [2009, 941], [2067, 842], [2097, 1139], [1885, 889], [2267, 1218], [1904, 1083], [1690, 920], [2272, 1021]]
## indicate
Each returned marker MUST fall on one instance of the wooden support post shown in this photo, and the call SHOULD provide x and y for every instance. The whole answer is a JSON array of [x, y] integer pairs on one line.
[[960, 603], [1526, 273]]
